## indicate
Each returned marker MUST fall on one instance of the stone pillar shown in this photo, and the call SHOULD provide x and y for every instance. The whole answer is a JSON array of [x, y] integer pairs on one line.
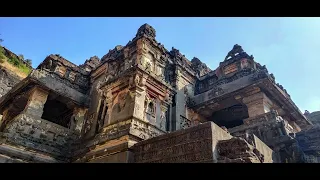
[[257, 104], [37, 99], [140, 97], [180, 108]]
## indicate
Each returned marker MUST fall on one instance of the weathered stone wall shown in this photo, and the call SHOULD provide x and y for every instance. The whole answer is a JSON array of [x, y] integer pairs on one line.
[[314, 117], [184, 89], [264, 149], [39, 134], [308, 142], [115, 138], [10, 153], [238, 150]]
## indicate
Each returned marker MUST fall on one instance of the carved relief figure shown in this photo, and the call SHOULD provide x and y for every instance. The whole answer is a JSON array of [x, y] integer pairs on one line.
[[126, 52], [98, 88], [89, 123], [167, 95], [244, 63], [128, 64], [137, 79], [72, 123], [160, 71], [142, 81], [150, 107], [112, 68], [147, 62], [121, 101], [131, 81], [123, 106], [162, 122]]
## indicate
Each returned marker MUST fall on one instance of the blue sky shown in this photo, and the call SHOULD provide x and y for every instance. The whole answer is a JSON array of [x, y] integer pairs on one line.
[[287, 46]]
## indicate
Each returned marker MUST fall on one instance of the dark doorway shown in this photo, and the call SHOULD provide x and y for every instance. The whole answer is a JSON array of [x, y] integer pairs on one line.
[[231, 117], [56, 111]]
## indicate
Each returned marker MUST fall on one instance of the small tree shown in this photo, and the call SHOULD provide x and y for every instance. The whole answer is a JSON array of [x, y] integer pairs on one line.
[[21, 57], [29, 61], [1, 40]]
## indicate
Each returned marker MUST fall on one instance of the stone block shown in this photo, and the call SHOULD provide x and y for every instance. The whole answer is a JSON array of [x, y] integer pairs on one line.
[[121, 157], [196, 144]]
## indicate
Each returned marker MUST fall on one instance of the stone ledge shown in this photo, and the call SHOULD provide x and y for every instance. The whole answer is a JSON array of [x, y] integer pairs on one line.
[[25, 155]]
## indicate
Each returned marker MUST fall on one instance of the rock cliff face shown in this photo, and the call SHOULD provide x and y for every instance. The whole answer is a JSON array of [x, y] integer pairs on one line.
[[309, 141], [314, 117], [7, 81]]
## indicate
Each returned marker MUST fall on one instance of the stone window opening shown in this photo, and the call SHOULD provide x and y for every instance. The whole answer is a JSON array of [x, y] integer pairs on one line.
[[230, 117], [151, 108], [168, 119], [57, 111], [101, 114], [174, 101]]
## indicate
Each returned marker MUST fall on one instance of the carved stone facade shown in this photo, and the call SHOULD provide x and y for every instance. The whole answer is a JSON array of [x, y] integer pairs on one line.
[[143, 103]]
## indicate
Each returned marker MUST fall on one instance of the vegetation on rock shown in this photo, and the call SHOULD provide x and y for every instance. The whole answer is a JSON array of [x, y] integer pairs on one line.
[[14, 64]]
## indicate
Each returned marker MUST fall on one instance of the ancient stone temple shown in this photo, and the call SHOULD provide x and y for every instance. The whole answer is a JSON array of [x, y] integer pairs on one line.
[[142, 103]]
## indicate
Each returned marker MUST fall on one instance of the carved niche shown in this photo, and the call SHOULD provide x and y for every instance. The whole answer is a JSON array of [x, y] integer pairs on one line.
[[122, 106], [150, 109]]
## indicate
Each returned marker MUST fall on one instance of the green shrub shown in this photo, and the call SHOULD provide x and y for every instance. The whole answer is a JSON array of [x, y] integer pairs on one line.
[[25, 69], [16, 62], [2, 56]]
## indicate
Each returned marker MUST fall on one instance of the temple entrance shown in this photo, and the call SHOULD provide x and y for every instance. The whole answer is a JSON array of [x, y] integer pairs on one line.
[[230, 117], [56, 110]]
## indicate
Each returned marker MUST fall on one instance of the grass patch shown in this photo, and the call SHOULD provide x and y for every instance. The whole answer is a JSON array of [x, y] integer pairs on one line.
[[17, 63]]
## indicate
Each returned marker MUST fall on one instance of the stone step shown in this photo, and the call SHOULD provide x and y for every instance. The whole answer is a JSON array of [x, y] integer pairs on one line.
[[13, 152]]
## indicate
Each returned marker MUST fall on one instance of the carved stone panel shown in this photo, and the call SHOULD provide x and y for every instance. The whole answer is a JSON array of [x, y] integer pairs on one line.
[[197, 144], [230, 69]]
